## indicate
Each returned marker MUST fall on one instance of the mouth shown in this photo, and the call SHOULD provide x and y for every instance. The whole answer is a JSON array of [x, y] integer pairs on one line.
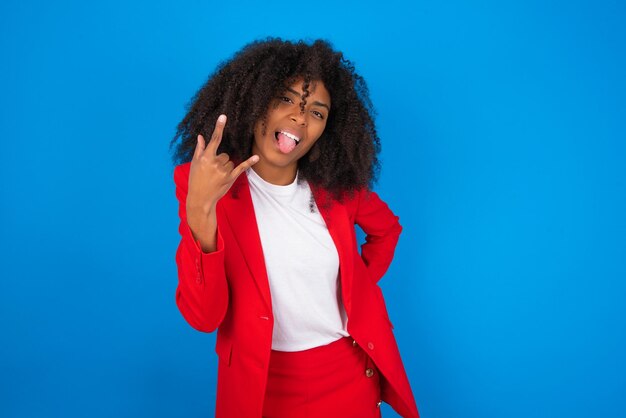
[[288, 135], [286, 141]]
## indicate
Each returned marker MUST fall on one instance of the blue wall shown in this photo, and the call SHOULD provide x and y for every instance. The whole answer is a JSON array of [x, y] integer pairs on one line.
[[503, 129]]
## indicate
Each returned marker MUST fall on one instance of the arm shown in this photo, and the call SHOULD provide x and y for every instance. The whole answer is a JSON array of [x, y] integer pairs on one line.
[[202, 292], [382, 231]]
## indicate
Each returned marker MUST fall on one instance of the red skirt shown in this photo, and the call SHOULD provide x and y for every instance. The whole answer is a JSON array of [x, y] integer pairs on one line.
[[336, 380]]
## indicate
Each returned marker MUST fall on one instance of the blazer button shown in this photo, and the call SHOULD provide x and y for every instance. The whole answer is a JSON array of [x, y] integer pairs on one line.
[[369, 372], [353, 343], [370, 346], [378, 404]]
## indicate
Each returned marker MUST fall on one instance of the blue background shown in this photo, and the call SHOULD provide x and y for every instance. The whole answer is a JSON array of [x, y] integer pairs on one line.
[[503, 128]]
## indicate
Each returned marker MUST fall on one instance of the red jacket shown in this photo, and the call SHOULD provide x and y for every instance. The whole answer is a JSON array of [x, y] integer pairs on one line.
[[229, 290]]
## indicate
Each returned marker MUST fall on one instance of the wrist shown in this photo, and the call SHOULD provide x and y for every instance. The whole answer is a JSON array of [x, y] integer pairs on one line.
[[200, 210]]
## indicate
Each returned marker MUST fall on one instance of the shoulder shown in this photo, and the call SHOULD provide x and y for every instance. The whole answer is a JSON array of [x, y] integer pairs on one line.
[[181, 174], [364, 201], [350, 200]]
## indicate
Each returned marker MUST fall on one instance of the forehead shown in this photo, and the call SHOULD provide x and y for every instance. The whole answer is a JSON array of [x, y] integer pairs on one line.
[[316, 88]]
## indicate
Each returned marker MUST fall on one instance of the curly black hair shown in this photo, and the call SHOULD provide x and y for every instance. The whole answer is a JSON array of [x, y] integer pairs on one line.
[[344, 158]]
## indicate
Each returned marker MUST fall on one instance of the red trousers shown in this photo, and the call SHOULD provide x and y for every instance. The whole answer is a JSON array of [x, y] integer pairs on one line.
[[336, 380]]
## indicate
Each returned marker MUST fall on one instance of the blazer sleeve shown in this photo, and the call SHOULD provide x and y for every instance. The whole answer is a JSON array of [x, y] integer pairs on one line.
[[382, 230], [202, 292]]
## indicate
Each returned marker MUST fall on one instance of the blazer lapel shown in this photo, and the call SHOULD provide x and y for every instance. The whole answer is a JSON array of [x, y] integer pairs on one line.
[[340, 229], [240, 214]]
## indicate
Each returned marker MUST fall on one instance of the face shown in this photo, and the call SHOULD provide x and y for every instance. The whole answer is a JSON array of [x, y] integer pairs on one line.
[[289, 132]]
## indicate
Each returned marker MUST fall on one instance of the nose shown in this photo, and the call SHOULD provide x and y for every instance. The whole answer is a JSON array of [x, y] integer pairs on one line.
[[299, 117]]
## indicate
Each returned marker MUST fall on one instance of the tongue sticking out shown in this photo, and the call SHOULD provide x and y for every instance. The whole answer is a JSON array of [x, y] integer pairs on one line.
[[285, 144]]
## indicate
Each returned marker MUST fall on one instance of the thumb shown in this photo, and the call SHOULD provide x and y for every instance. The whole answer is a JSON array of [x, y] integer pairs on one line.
[[244, 166]]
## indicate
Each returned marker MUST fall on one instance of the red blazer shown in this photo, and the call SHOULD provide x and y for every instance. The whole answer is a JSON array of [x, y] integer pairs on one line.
[[229, 290]]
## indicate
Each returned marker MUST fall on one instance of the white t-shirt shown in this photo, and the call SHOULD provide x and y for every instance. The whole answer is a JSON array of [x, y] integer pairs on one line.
[[302, 266]]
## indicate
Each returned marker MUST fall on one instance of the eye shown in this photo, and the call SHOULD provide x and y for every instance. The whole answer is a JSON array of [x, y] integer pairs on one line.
[[318, 115], [285, 99]]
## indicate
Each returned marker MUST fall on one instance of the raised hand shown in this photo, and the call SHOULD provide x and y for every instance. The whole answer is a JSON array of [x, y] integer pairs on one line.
[[211, 175]]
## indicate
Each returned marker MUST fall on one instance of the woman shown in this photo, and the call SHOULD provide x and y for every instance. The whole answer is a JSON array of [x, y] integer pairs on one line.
[[268, 254]]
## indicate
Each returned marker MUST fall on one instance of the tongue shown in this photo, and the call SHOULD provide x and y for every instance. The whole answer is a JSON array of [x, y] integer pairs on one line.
[[285, 144]]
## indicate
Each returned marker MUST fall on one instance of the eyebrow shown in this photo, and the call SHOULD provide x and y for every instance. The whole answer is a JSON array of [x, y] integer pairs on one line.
[[315, 102]]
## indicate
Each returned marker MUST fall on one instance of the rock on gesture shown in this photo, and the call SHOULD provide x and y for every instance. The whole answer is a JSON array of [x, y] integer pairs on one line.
[[211, 175]]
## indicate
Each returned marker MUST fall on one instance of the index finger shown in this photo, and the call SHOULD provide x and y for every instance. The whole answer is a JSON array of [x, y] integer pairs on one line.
[[216, 137]]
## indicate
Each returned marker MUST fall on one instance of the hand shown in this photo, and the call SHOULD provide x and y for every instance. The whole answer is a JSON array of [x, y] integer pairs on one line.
[[211, 175]]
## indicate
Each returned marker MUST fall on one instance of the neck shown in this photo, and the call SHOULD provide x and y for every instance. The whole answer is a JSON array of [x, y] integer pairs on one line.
[[280, 176]]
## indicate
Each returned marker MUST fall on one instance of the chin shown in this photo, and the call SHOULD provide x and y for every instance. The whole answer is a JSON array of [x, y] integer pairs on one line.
[[282, 161]]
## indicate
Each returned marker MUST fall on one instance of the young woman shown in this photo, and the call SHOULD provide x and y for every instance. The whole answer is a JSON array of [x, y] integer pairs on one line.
[[269, 255]]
